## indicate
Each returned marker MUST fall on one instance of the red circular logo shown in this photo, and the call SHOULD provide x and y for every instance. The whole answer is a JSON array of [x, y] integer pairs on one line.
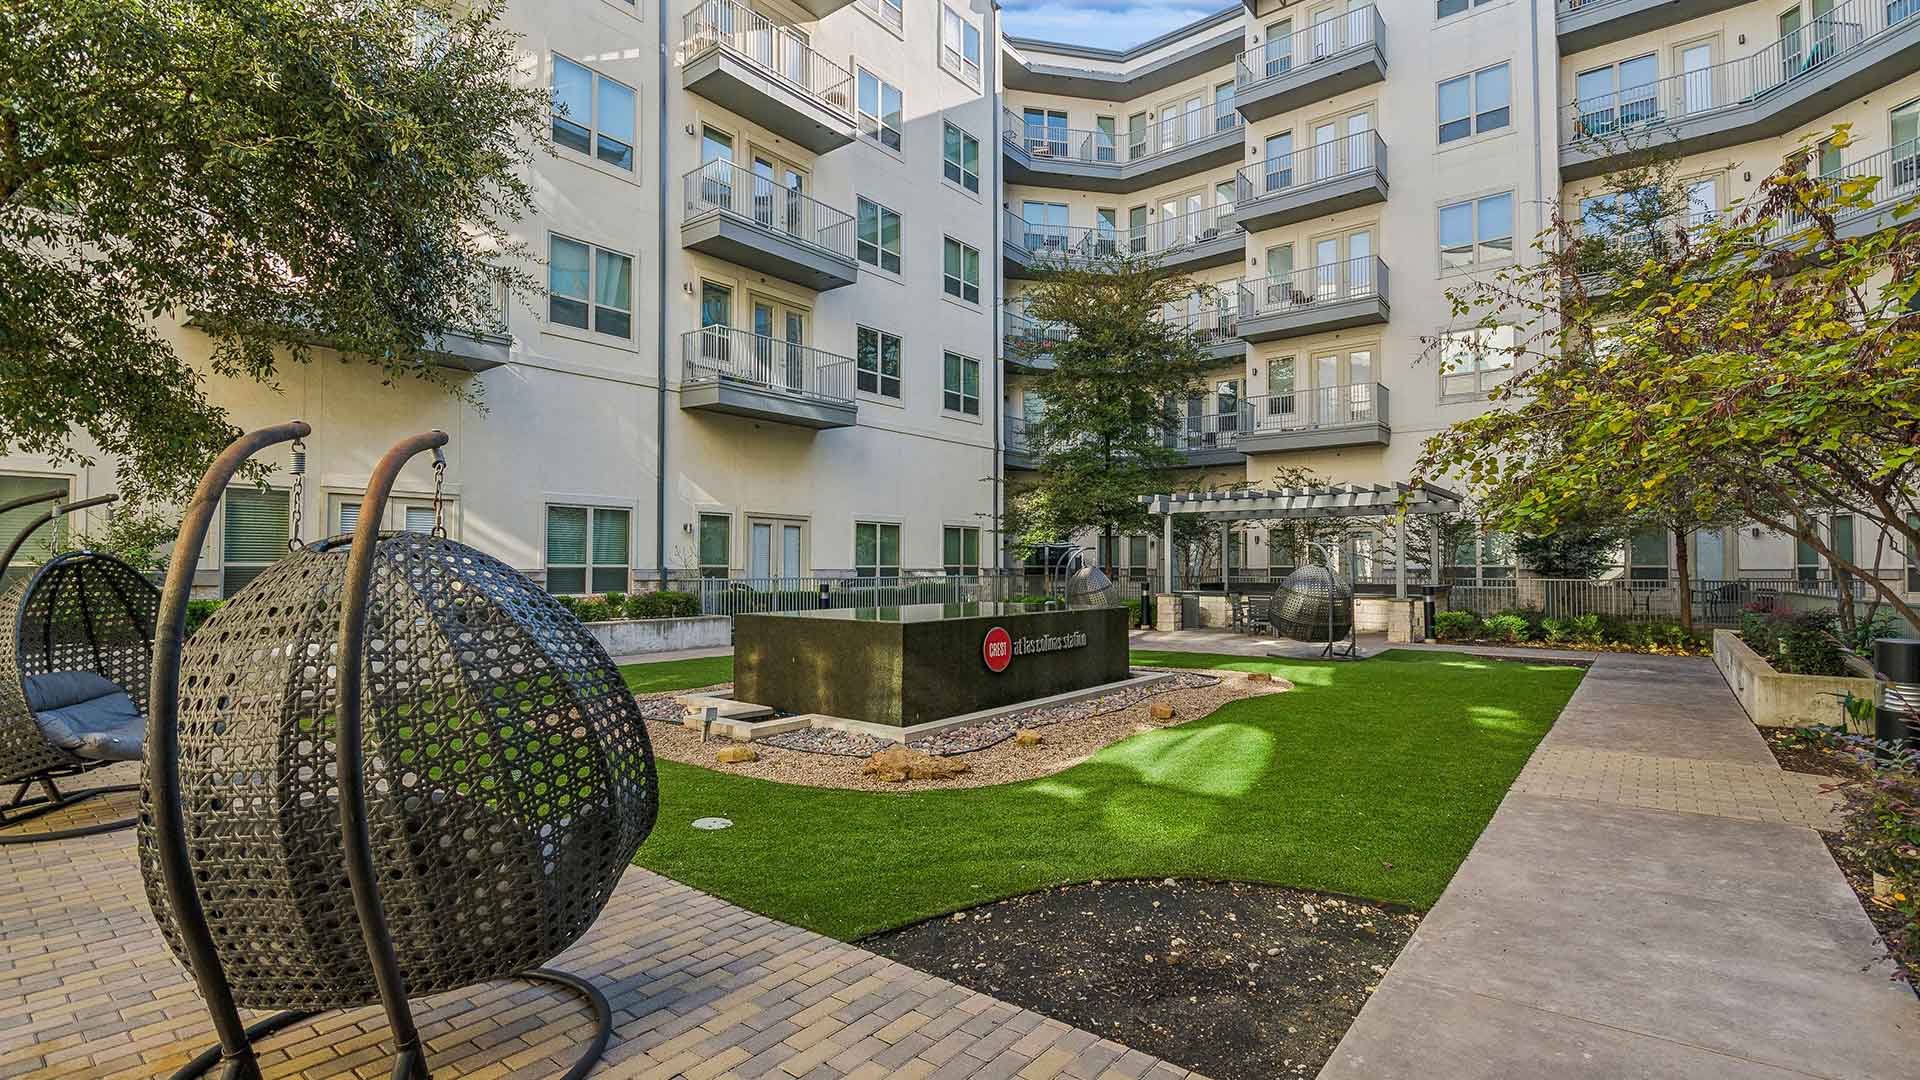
[[997, 650]]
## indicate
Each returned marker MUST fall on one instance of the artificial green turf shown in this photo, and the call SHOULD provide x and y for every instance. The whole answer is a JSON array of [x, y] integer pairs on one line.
[[1370, 779], [677, 674]]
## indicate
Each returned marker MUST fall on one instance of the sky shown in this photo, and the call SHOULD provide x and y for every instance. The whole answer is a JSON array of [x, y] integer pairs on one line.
[[1109, 24]]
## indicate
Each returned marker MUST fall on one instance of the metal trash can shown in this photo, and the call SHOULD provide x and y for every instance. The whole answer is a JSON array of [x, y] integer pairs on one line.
[[1896, 690]]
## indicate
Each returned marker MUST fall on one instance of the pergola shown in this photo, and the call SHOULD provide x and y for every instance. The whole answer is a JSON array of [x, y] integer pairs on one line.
[[1301, 503]]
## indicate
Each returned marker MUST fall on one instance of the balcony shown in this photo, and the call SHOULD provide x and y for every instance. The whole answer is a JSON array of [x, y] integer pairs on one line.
[[741, 61], [1589, 24], [1336, 296], [751, 220], [1857, 48], [1019, 452], [1027, 343], [1319, 180], [1175, 147], [1194, 241], [723, 370], [1330, 57], [1322, 418], [1211, 438], [1217, 328]]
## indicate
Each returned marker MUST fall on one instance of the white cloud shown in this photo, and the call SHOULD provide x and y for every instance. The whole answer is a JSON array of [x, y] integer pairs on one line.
[[1101, 23]]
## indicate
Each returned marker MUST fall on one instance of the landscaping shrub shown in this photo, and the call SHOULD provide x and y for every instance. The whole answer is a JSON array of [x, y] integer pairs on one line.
[[1455, 625], [1505, 628], [1882, 816], [662, 604], [1584, 629], [1758, 630], [593, 609], [1534, 619], [1555, 631], [1880, 624], [198, 612], [1807, 644]]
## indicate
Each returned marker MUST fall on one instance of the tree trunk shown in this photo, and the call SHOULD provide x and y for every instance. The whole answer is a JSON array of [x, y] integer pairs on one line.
[[1682, 565], [1107, 532]]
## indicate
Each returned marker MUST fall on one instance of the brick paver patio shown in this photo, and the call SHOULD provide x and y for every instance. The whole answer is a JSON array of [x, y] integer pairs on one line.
[[699, 988], [1750, 792]]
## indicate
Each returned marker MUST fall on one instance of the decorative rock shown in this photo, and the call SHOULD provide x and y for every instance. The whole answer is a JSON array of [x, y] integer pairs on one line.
[[1161, 712], [737, 755], [897, 764], [1027, 737], [1259, 676]]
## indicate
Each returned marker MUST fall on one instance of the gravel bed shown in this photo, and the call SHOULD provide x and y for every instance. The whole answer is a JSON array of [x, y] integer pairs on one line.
[[996, 761]]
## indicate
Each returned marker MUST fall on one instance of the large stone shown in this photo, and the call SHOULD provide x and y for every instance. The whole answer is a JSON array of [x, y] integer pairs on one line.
[[736, 755], [1027, 737], [898, 764], [1259, 676], [1161, 712]]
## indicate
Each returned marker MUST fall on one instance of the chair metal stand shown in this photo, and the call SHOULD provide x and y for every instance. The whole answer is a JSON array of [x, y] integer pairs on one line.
[[23, 808], [410, 1065]]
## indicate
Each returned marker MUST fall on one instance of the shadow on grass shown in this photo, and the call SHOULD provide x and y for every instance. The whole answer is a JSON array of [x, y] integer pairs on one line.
[[1369, 779]]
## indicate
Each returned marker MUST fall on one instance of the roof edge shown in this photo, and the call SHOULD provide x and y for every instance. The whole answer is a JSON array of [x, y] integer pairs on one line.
[[1089, 52]]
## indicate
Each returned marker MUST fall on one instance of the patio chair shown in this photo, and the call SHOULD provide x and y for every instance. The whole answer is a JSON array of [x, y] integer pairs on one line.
[[473, 828], [73, 674]]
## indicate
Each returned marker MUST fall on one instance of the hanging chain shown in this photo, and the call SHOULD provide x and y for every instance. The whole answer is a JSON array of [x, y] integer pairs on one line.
[[299, 495], [439, 501]]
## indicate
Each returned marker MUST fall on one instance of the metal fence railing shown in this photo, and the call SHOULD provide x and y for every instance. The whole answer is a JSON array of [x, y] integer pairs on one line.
[[723, 354], [1346, 155], [1890, 176], [1044, 136], [778, 52], [1065, 245], [1736, 83], [1716, 601], [1352, 29], [725, 188], [773, 595]]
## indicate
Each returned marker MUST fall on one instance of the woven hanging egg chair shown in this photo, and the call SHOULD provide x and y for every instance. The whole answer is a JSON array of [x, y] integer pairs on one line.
[[76, 647], [1313, 605], [397, 767]]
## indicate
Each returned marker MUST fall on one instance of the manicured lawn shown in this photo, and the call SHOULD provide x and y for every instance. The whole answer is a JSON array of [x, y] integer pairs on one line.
[[1370, 779], [677, 674]]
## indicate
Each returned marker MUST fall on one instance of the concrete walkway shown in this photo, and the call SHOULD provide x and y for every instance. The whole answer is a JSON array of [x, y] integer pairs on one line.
[[1647, 902]]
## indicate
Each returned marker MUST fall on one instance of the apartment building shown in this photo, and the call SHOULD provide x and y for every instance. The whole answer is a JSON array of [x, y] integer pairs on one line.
[[1331, 169], [785, 243], [768, 345]]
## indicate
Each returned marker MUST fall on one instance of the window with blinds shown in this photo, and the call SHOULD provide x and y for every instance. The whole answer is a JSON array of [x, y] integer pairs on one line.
[[51, 539], [587, 549], [254, 534]]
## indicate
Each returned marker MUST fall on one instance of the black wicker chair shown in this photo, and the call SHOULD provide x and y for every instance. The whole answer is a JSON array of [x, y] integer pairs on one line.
[[474, 828], [76, 646]]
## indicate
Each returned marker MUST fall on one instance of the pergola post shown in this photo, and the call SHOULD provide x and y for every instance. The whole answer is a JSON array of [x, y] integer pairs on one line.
[[1433, 567], [1166, 552], [1400, 557]]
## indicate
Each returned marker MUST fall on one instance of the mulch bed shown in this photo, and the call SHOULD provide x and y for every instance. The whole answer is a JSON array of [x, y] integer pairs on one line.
[[1234, 980], [1796, 756], [1858, 875]]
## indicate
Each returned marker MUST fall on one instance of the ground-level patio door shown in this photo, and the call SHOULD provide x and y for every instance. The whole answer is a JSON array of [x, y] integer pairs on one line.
[[776, 548]]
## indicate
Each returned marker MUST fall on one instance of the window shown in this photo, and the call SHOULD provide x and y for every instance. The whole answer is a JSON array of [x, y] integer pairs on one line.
[[962, 384], [1136, 136], [1474, 361], [583, 281], [716, 545], [877, 362], [1045, 132], [1449, 8], [587, 549], [1647, 556], [48, 541], [878, 242], [1620, 96], [887, 11], [1808, 564], [592, 114], [879, 110], [876, 549], [959, 46], [962, 158], [1106, 139], [1476, 231], [1473, 556], [256, 525], [962, 270], [1475, 104], [1137, 230], [960, 548]]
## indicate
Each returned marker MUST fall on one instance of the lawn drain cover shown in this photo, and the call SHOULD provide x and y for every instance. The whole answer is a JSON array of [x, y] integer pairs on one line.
[[711, 823]]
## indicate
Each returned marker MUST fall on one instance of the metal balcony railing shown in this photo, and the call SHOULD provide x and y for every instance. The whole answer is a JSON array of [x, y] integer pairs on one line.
[[1349, 155], [1894, 175], [1016, 435], [1044, 140], [776, 51], [1568, 7], [1357, 28], [1070, 243], [1212, 324], [723, 187], [1193, 227], [1220, 430], [1319, 408], [1353, 279], [723, 354], [1735, 83], [1024, 330]]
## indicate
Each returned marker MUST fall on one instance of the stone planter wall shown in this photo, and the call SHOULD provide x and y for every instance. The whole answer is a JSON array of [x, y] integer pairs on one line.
[[627, 637], [1775, 699]]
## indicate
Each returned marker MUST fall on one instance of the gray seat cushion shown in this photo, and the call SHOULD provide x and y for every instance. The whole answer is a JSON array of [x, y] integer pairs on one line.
[[86, 715]]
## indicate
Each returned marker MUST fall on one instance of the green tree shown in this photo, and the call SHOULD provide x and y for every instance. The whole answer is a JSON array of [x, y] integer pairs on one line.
[[284, 173], [1756, 364], [1572, 551], [1111, 395]]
